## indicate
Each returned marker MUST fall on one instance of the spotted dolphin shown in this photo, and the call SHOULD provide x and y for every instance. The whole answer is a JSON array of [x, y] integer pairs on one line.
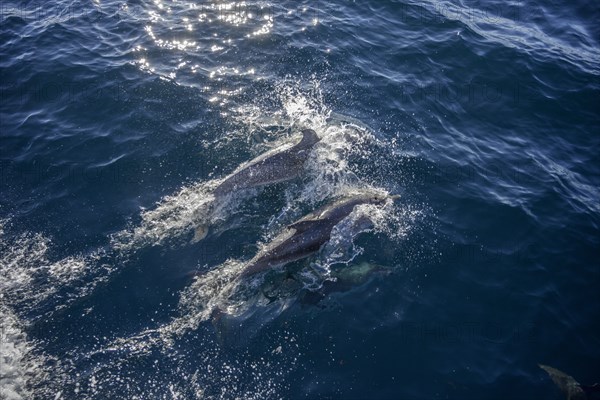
[[307, 235], [265, 170]]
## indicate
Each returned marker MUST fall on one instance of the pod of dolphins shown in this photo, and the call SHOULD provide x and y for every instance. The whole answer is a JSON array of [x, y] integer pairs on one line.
[[307, 235]]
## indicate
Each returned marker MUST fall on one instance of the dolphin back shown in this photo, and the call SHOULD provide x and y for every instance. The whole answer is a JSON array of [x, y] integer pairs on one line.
[[309, 234], [278, 167], [342, 208]]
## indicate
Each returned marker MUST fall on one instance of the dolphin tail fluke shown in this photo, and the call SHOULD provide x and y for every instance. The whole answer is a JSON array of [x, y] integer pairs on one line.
[[566, 383], [217, 319], [200, 233], [228, 329]]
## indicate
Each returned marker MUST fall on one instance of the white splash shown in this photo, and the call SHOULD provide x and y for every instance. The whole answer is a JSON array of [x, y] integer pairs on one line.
[[17, 366], [28, 278]]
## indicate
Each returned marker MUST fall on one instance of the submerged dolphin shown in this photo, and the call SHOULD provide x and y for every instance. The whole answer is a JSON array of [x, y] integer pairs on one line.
[[279, 167], [569, 386], [307, 235], [346, 279]]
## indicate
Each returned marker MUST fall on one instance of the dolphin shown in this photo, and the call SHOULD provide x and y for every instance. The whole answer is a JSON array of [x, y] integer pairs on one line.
[[569, 386], [233, 331], [265, 170], [346, 279], [307, 235]]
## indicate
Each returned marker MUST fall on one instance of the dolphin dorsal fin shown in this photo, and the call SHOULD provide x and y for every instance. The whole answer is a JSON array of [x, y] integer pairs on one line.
[[302, 226], [309, 138]]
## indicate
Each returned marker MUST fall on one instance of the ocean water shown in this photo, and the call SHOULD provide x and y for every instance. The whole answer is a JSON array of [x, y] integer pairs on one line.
[[118, 118]]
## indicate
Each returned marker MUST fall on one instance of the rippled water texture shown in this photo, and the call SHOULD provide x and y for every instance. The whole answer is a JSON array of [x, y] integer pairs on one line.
[[118, 119]]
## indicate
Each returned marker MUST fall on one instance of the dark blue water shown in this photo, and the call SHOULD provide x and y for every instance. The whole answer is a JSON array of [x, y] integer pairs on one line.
[[118, 118]]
